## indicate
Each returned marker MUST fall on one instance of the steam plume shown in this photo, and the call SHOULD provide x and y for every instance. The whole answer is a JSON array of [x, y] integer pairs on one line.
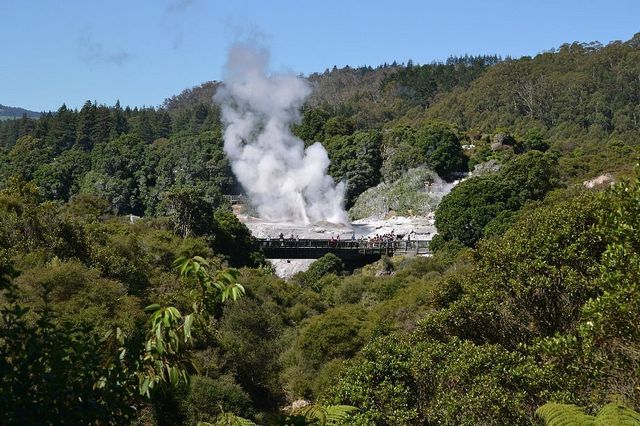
[[284, 180]]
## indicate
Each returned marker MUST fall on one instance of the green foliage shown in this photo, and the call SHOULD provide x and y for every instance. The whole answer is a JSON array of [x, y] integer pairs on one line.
[[355, 159], [602, 349], [573, 93], [379, 383], [435, 144], [210, 400], [311, 129], [613, 414], [27, 155], [563, 414], [42, 358], [116, 169], [234, 240], [465, 384], [490, 200], [54, 373], [616, 414], [500, 337], [441, 148], [419, 84], [543, 308], [207, 289], [129, 157], [532, 281], [399, 159], [190, 213], [338, 334], [249, 335], [229, 419], [338, 125], [325, 415], [311, 278], [80, 295]]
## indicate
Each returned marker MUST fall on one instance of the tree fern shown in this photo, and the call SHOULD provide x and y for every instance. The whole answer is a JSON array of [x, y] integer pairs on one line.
[[554, 414], [325, 415], [613, 414], [229, 419]]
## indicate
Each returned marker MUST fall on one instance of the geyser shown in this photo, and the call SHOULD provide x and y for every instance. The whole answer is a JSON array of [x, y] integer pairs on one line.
[[285, 181]]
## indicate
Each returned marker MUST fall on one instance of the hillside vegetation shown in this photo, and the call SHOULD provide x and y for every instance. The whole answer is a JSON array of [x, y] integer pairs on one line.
[[131, 294], [7, 112]]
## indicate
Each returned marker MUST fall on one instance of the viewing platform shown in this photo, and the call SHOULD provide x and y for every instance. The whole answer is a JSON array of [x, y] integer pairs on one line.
[[351, 252]]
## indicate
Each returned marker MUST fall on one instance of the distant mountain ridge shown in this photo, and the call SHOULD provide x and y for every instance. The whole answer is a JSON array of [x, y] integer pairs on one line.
[[16, 112]]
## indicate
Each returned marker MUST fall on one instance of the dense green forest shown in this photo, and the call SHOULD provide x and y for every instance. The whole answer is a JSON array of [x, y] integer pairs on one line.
[[131, 294]]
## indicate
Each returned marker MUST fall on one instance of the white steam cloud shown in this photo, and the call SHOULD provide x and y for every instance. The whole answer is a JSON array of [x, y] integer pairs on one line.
[[285, 181]]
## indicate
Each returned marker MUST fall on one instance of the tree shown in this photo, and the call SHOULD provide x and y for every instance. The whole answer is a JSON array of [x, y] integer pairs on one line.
[[27, 155], [60, 179], [327, 264], [482, 201], [63, 128], [191, 214], [441, 148], [399, 160], [119, 121], [116, 171], [86, 125], [380, 384], [463, 214], [338, 126], [234, 240], [356, 159], [54, 373], [311, 129]]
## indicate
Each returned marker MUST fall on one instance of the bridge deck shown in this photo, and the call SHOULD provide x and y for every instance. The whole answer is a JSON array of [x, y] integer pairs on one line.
[[346, 250]]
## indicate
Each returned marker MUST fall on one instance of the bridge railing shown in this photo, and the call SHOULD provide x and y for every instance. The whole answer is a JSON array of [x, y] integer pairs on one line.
[[363, 246]]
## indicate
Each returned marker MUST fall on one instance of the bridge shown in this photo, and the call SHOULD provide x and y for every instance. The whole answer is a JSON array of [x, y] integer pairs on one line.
[[354, 253]]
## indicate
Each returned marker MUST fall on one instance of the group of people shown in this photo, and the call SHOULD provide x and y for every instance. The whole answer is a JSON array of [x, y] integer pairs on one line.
[[378, 240], [292, 241], [381, 240]]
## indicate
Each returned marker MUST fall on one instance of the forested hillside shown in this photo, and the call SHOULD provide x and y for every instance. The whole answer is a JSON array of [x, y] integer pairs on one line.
[[7, 112], [131, 294]]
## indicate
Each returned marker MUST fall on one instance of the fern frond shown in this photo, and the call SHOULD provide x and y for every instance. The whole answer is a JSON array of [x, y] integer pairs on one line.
[[553, 414], [329, 415], [228, 419], [615, 414]]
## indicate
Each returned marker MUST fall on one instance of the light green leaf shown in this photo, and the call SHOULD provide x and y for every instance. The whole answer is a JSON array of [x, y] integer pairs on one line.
[[152, 308], [188, 321]]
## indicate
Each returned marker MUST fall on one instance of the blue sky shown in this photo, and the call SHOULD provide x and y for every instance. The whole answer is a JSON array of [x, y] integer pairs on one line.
[[142, 51]]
